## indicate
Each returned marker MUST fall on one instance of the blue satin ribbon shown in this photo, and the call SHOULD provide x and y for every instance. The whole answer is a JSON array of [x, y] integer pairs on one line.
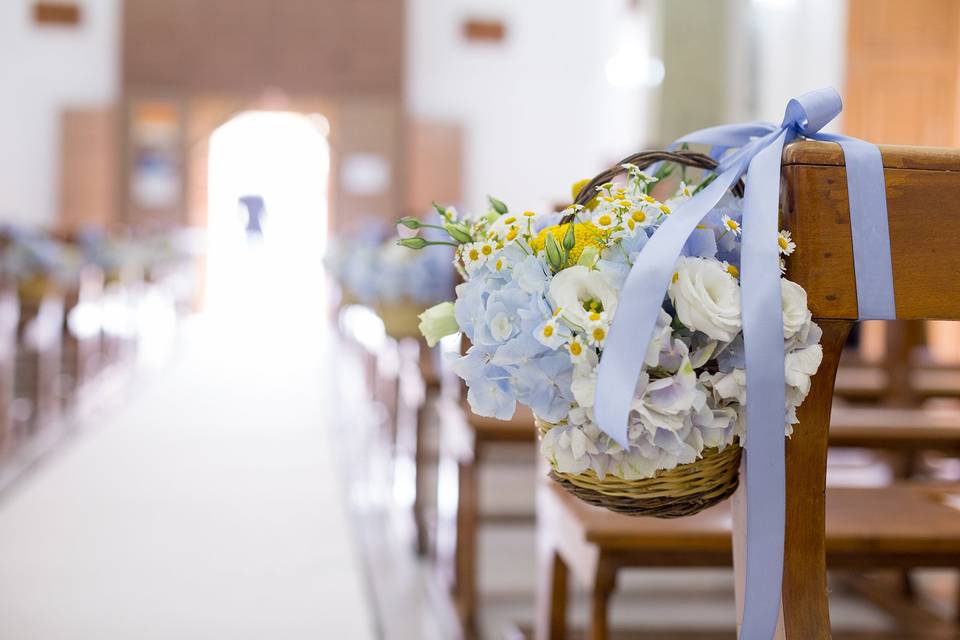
[[756, 149]]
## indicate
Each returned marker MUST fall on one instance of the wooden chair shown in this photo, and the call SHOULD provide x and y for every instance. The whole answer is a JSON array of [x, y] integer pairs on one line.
[[466, 442], [923, 187]]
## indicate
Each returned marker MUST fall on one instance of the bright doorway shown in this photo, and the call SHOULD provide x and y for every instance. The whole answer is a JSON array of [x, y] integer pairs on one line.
[[267, 212]]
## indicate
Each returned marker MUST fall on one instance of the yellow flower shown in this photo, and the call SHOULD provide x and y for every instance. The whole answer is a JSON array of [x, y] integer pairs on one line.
[[585, 234], [575, 191]]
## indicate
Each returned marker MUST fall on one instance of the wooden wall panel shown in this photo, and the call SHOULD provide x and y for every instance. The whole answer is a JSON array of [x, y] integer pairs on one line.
[[302, 46], [903, 68], [88, 171], [434, 165]]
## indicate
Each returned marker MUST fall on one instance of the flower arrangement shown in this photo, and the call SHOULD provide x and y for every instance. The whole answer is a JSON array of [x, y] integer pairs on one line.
[[538, 297]]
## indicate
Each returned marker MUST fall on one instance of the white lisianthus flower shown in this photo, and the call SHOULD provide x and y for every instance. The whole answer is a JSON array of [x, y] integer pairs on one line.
[[793, 300], [584, 384], [800, 365], [438, 322], [706, 297], [580, 291]]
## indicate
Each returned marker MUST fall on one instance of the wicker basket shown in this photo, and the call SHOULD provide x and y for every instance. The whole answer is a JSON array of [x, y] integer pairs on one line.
[[682, 491], [401, 319], [687, 488]]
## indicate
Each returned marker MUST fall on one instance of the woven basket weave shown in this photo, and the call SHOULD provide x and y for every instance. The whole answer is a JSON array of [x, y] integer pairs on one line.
[[687, 488], [682, 491]]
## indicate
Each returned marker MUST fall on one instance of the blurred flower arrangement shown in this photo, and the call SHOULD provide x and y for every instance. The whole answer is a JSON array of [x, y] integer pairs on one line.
[[37, 263], [537, 301], [372, 270]]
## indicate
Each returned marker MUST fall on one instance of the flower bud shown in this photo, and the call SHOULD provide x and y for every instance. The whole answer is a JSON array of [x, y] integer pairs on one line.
[[413, 243], [458, 232], [554, 254], [497, 205], [410, 222]]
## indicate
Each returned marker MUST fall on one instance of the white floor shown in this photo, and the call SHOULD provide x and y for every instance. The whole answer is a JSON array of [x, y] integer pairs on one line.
[[206, 505]]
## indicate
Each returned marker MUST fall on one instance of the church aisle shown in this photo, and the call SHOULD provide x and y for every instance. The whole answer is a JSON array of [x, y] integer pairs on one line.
[[206, 506]]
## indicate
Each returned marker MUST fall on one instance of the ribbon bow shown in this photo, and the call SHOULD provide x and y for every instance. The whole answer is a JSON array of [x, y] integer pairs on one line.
[[756, 149]]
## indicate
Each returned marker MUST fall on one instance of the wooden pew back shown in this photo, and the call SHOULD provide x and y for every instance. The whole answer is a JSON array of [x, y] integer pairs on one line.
[[923, 199]]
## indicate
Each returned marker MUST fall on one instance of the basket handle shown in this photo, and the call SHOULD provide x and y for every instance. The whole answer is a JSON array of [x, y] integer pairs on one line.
[[643, 160]]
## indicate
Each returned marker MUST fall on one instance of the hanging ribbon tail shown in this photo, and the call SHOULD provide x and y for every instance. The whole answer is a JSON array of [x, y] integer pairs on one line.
[[869, 228], [766, 395]]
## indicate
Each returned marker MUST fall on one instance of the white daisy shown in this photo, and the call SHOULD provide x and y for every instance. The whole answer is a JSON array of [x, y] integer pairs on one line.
[[787, 246], [551, 333], [605, 220], [577, 349], [729, 224]]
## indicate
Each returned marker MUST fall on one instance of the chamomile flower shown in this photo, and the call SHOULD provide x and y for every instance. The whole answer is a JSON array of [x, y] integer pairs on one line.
[[664, 209], [577, 349], [501, 264], [487, 249], [787, 246], [596, 335], [729, 224], [731, 269], [473, 257], [685, 190], [551, 333], [605, 220]]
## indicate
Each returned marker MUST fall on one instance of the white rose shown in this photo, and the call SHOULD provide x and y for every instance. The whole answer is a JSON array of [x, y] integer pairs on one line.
[[577, 288], [793, 300], [438, 322], [706, 297]]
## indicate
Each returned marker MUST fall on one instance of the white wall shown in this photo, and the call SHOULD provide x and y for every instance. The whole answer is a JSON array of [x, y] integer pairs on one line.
[[42, 71], [537, 109], [798, 46]]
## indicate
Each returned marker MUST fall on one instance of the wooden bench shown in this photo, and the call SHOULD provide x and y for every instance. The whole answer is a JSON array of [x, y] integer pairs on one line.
[[9, 319], [466, 442], [82, 332], [923, 194], [891, 527], [37, 369], [419, 388]]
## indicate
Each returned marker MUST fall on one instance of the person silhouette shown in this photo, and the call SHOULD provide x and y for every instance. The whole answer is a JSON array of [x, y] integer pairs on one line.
[[256, 210]]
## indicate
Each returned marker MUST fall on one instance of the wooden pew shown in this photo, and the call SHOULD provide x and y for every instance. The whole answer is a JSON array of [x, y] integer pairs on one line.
[[923, 189], [82, 332], [595, 545], [419, 388], [466, 442], [9, 319], [37, 373]]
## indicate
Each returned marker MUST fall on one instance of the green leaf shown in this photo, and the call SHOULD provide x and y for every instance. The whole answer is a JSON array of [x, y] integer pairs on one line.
[[497, 205]]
